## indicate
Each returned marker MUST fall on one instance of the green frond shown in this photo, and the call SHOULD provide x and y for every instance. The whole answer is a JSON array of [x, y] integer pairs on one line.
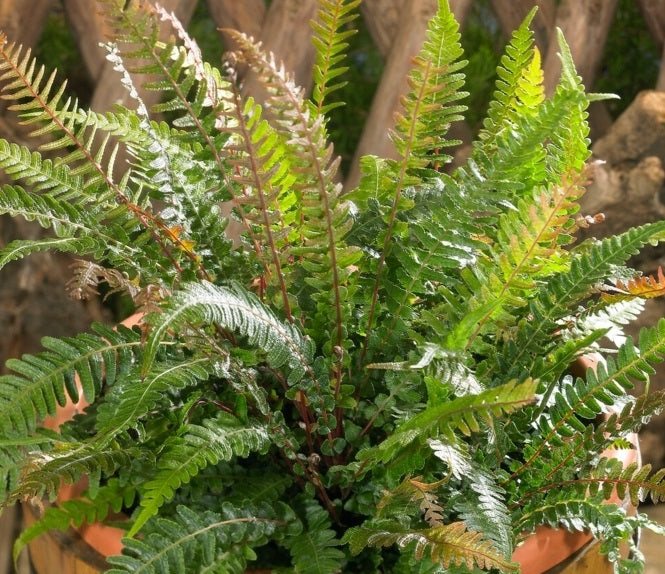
[[331, 30], [241, 312], [46, 472], [131, 399], [314, 550], [448, 545], [112, 497], [76, 228], [431, 105], [205, 538], [516, 78], [322, 216], [13, 447], [590, 265], [528, 250], [463, 414], [262, 166], [482, 509], [218, 439], [543, 145], [635, 483], [38, 383], [584, 398]]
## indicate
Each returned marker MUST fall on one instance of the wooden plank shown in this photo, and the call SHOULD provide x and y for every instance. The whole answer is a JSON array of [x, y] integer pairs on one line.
[[654, 15], [287, 34], [585, 25], [660, 83], [382, 18], [511, 13], [247, 17], [87, 28], [407, 42], [23, 20]]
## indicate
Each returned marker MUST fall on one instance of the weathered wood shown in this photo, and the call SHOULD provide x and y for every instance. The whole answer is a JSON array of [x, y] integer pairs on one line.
[[585, 25], [23, 20], [654, 16], [408, 41], [382, 18], [247, 16], [287, 34], [660, 83], [87, 27], [511, 13]]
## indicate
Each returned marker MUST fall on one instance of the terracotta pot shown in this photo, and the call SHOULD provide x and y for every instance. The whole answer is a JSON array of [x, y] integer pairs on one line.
[[83, 549], [546, 551]]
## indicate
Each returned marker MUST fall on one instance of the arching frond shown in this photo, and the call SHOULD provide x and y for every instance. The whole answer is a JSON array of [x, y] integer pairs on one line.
[[216, 440], [449, 545]]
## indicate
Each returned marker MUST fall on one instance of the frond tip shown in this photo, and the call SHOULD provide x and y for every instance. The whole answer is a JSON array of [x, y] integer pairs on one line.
[[448, 545], [644, 287]]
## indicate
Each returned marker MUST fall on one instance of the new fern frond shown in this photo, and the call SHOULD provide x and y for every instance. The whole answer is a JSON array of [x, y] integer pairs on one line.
[[331, 30]]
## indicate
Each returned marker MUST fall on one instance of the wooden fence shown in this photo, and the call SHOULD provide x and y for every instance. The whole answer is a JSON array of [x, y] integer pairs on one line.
[[397, 28]]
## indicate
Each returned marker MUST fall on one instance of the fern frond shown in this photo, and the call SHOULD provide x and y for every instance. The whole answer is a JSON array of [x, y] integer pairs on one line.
[[46, 472], [462, 414], [323, 217], [112, 497], [218, 439], [314, 551], [133, 397], [262, 167], [528, 249], [41, 382], [540, 143], [13, 446], [330, 34], [449, 545], [198, 537], [240, 311], [589, 268], [88, 275], [634, 482], [584, 398], [430, 107], [513, 83], [643, 287]]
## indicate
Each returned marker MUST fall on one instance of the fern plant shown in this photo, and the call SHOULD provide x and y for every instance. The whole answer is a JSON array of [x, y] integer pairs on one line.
[[371, 381]]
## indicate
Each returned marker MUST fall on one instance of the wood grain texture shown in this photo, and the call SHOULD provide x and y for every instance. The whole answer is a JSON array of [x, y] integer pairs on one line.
[[23, 20], [287, 34], [86, 25], [247, 17], [653, 12], [511, 13], [585, 25]]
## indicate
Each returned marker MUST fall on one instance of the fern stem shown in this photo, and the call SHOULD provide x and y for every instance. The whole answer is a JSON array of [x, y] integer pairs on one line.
[[258, 185], [415, 112]]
